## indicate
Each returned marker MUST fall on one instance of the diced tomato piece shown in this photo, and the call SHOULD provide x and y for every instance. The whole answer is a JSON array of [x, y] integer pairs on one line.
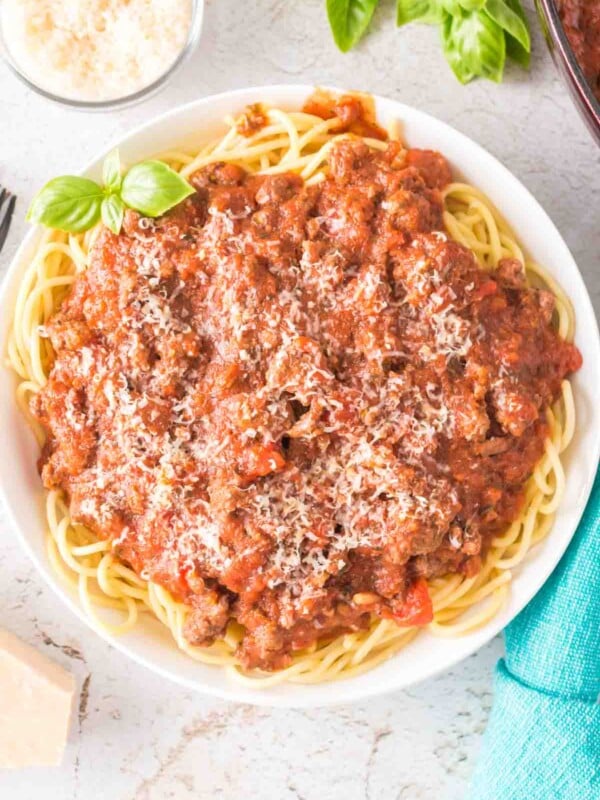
[[417, 608], [261, 460], [487, 288]]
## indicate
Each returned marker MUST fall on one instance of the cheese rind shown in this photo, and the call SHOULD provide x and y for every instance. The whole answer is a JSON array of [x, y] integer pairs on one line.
[[36, 698]]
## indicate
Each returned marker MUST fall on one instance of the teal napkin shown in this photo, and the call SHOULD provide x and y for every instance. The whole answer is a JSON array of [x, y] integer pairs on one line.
[[543, 737]]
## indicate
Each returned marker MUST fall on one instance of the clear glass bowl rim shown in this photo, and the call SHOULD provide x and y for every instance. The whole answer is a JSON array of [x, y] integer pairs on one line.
[[564, 57], [116, 103]]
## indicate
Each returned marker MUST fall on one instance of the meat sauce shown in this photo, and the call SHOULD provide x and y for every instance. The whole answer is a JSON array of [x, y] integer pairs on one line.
[[581, 21], [290, 405]]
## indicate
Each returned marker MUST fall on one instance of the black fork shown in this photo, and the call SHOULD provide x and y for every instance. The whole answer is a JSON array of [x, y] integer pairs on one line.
[[7, 206]]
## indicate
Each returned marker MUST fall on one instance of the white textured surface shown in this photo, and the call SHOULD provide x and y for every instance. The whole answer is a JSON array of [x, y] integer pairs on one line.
[[137, 738]]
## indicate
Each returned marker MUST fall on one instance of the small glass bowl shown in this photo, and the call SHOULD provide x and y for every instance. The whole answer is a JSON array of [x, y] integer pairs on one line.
[[116, 103], [571, 73]]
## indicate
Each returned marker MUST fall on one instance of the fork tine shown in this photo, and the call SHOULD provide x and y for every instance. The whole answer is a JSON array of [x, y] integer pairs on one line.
[[6, 208], [6, 212]]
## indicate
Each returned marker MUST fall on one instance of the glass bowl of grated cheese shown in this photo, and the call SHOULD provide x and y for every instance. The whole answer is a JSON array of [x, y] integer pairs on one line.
[[98, 54]]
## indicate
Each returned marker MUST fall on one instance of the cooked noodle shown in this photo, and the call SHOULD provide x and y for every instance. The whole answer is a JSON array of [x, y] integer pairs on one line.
[[299, 142]]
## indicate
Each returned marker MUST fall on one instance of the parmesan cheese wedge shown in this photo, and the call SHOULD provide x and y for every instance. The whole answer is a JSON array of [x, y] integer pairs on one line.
[[36, 697]]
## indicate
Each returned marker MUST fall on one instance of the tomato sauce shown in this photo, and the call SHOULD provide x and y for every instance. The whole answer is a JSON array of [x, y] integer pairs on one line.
[[355, 113], [581, 21], [290, 405]]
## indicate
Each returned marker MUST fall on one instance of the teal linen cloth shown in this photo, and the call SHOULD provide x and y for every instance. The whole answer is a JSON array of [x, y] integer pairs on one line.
[[543, 737]]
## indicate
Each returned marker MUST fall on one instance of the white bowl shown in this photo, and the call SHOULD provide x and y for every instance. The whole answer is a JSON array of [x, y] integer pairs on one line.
[[149, 643]]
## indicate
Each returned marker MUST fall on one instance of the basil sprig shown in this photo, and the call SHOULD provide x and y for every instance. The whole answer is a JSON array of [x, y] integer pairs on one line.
[[477, 35], [75, 204]]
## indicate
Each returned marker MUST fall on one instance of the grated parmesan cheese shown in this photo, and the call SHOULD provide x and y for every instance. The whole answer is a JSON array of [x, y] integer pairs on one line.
[[95, 50], [271, 424]]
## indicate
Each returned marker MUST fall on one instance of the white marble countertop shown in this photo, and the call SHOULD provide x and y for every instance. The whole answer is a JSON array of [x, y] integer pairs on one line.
[[137, 737]]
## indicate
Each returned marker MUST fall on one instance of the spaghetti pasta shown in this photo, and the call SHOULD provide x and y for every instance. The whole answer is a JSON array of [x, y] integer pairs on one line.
[[298, 142]]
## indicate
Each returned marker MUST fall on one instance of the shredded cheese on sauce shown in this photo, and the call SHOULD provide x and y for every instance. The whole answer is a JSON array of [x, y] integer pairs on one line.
[[280, 398], [356, 485]]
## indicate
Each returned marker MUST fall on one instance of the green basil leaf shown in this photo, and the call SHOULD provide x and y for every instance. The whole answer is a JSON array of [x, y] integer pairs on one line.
[[474, 46], [426, 11], [68, 203], [452, 7], [111, 171], [453, 56], [472, 5], [153, 188], [511, 22], [515, 49], [113, 210], [517, 53], [349, 20]]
